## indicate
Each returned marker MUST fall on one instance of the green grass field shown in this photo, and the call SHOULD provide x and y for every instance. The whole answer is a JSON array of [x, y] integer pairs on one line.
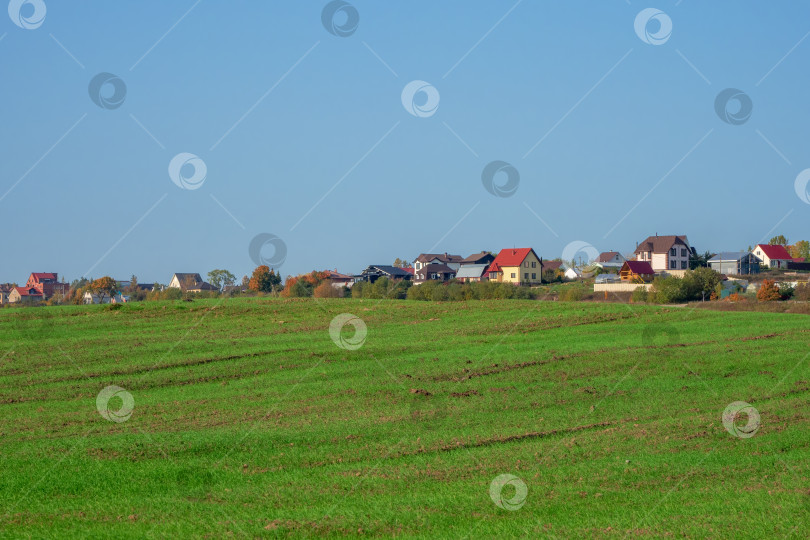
[[249, 420]]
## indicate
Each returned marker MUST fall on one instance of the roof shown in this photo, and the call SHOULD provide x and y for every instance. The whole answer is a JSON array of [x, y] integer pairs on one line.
[[390, 270], [475, 257], [443, 257], [775, 251], [438, 269], [43, 276], [729, 256], [606, 256], [183, 276], [512, 256], [26, 291], [334, 274], [639, 267], [660, 244], [409, 270], [203, 286], [551, 265], [471, 270]]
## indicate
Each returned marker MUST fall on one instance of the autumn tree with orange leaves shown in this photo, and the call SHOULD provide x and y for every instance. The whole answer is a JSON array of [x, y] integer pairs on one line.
[[264, 279], [768, 292]]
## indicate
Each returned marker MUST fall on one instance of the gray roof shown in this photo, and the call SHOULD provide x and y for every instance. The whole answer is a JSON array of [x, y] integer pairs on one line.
[[471, 270], [729, 256]]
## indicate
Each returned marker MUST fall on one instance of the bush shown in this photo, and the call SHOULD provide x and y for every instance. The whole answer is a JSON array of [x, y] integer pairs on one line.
[[639, 295], [326, 290], [802, 292]]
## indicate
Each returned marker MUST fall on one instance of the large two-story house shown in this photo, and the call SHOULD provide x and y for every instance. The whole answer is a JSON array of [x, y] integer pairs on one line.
[[424, 259], [520, 266], [665, 253]]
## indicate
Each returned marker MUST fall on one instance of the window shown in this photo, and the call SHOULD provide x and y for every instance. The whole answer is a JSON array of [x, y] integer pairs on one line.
[[673, 251], [534, 264], [526, 276], [534, 276], [513, 275], [683, 265], [525, 264], [673, 264], [683, 252]]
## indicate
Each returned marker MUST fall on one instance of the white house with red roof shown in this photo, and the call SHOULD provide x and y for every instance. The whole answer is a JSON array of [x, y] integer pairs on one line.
[[520, 266], [773, 256]]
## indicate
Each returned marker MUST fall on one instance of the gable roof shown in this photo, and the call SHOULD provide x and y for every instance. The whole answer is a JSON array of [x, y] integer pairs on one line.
[[660, 244], [43, 276], [27, 291], [438, 268], [639, 267], [183, 276], [442, 257], [729, 256], [334, 274], [512, 256], [386, 269], [475, 257], [471, 270], [606, 256], [775, 251]]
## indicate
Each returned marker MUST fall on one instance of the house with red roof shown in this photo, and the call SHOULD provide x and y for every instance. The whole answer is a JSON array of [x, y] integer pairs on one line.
[[773, 256], [520, 266], [25, 294], [637, 272], [5, 290], [47, 283]]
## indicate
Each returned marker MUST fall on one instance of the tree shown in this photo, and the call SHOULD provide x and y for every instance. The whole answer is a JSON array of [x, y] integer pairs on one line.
[[697, 260], [778, 241], [700, 282], [133, 284], [401, 263], [221, 278], [326, 290], [102, 287], [768, 292], [245, 282], [800, 250], [264, 279]]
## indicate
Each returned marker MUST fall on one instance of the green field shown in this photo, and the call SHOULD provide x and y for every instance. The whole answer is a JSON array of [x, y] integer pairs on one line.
[[249, 420]]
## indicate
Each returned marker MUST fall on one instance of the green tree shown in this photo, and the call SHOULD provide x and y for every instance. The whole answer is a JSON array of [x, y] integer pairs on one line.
[[800, 250], [700, 283], [696, 260], [778, 241], [221, 278]]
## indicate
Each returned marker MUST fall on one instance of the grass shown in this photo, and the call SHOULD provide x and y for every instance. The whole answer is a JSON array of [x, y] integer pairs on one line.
[[250, 421]]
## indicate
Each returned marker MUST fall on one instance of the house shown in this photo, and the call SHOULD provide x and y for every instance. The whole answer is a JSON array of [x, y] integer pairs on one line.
[[25, 294], [339, 280], [735, 263], [552, 265], [47, 283], [520, 266], [452, 261], [572, 273], [433, 272], [664, 252], [190, 283], [376, 271], [93, 298], [483, 257], [472, 272], [609, 259], [637, 271], [773, 256]]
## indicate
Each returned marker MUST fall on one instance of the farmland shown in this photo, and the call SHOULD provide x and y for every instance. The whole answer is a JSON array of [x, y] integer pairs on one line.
[[248, 419]]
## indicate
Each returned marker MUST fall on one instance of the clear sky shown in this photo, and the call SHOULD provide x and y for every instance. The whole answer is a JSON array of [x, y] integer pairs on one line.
[[304, 135]]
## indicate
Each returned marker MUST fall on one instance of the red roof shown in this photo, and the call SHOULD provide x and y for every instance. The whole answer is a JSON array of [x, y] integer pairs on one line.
[[25, 291], [409, 270], [639, 267], [39, 276], [775, 252], [511, 257]]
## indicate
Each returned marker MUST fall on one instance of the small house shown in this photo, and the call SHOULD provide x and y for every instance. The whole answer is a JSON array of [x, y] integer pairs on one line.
[[376, 271], [472, 272], [433, 272], [637, 272], [773, 255], [735, 263]]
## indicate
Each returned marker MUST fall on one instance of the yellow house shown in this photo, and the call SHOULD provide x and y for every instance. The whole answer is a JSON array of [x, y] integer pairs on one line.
[[520, 266]]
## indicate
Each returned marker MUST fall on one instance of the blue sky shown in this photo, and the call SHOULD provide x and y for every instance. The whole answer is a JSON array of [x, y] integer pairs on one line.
[[294, 122]]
